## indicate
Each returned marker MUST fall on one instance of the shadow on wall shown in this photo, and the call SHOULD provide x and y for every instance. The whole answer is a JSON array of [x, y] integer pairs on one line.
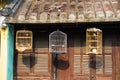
[[29, 60], [96, 62], [61, 62]]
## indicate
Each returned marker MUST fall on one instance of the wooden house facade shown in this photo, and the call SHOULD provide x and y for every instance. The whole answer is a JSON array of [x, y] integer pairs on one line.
[[75, 64], [63, 40]]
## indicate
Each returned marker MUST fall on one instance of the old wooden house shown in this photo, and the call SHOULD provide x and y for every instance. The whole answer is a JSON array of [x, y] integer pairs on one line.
[[63, 40]]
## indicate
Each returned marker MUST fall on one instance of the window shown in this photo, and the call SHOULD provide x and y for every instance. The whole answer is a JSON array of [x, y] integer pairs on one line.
[[93, 41], [58, 42], [24, 40]]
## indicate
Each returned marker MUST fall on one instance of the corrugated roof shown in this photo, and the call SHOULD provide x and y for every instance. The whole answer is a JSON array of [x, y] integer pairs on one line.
[[65, 11]]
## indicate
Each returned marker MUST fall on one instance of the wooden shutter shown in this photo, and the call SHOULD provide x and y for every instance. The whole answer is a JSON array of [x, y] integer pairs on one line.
[[99, 64], [108, 64], [85, 64], [41, 63], [77, 61], [103, 78], [23, 63]]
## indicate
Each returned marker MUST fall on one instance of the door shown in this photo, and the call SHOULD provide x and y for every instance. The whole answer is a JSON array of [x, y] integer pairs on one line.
[[116, 52], [61, 67], [91, 67], [77, 65], [34, 65], [73, 65], [61, 63]]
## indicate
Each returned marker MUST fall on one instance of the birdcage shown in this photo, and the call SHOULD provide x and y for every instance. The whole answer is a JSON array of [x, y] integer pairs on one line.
[[2, 3], [58, 42], [93, 41], [24, 40]]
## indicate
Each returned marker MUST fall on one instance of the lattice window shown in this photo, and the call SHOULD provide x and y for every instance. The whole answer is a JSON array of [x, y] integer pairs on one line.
[[93, 41], [24, 40], [58, 42]]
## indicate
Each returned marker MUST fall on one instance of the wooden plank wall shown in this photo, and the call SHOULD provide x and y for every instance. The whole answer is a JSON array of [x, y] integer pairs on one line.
[[116, 52]]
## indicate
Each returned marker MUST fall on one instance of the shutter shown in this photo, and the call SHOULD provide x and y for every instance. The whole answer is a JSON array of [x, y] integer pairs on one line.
[[77, 60], [103, 78], [23, 63], [85, 64], [41, 63], [99, 64], [15, 78], [108, 64], [19, 79], [28, 79]]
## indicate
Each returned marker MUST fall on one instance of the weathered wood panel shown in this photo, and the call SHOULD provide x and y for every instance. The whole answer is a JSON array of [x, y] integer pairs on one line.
[[63, 72], [33, 66], [116, 52], [99, 64], [85, 64], [41, 63], [108, 64], [77, 65], [32, 78], [81, 78], [103, 78], [78, 62], [23, 63]]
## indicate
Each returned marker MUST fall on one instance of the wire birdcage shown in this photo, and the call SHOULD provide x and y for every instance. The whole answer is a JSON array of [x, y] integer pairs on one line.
[[58, 42], [24, 40], [93, 41]]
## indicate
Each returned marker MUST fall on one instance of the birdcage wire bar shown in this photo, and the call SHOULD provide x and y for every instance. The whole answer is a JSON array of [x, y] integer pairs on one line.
[[93, 41], [58, 42], [24, 40]]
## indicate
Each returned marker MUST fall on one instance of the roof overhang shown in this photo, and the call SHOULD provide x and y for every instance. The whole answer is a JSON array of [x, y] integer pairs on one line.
[[66, 11]]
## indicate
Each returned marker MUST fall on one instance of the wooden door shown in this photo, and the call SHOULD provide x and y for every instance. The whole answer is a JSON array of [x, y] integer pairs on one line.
[[116, 52], [35, 65], [77, 65], [61, 67], [91, 67], [73, 65], [61, 63]]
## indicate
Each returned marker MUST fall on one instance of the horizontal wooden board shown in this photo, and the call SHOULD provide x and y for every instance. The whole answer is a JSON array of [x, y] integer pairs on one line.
[[77, 61], [41, 63], [108, 64], [23, 62]]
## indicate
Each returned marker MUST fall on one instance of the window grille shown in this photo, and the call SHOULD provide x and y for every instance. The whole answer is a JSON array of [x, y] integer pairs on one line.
[[24, 40], [93, 41], [58, 42]]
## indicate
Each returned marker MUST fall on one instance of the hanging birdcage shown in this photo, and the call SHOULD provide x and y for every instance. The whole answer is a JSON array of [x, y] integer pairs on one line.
[[93, 41], [24, 40], [58, 42]]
